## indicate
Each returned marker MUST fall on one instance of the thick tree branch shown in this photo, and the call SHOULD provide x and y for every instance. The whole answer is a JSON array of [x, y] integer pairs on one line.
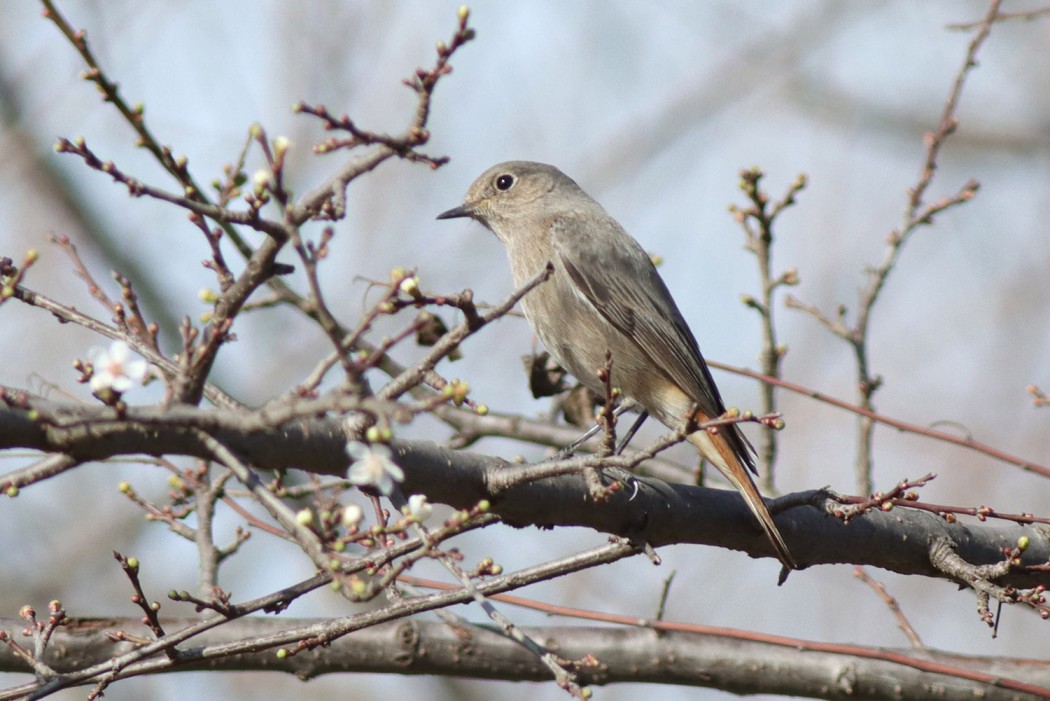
[[649, 510], [723, 661]]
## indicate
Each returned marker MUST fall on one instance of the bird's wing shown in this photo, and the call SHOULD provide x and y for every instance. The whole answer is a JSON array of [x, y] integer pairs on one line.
[[616, 276]]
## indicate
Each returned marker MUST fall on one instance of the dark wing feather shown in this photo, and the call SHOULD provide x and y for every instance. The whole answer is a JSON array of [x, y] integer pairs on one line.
[[617, 277]]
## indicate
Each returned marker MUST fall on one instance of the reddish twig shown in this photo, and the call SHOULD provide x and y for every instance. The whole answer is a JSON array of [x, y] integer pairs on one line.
[[916, 662], [966, 442], [902, 622], [917, 213], [1002, 17], [900, 494]]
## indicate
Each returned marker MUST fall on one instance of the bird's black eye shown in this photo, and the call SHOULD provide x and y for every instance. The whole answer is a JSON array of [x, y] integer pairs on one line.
[[504, 182]]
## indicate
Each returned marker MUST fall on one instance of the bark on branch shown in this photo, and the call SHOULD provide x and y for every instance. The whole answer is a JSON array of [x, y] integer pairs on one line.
[[647, 510]]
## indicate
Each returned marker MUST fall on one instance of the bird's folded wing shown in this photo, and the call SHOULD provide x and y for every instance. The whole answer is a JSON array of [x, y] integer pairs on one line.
[[616, 276]]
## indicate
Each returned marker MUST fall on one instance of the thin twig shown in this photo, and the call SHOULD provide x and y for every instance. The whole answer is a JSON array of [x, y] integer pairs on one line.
[[917, 214], [891, 603], [964, 441]]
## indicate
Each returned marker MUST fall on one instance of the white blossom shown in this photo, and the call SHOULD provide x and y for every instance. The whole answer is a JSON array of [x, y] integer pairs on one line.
[[352, 516], [373, 466], [418, 508], [114, 368], [410, 285], [261, 179]]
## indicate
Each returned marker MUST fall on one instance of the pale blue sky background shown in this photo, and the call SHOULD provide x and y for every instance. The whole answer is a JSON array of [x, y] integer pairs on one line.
[[653, 108]]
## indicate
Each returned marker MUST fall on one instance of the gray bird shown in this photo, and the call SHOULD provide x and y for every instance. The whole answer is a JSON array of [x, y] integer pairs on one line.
[[606, 295]]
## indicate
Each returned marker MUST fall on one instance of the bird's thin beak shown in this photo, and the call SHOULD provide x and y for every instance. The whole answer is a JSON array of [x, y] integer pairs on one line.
[[464, 210]]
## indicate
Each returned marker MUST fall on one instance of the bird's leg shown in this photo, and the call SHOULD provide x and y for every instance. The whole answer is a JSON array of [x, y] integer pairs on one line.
[[630, 480], [631, 431], [570, 450]]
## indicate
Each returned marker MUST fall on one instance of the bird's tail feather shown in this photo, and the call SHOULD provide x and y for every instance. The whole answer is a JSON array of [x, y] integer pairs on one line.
[[718, 450]]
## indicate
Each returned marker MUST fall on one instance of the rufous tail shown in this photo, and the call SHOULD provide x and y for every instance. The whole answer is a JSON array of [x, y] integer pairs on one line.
[[717, 449]]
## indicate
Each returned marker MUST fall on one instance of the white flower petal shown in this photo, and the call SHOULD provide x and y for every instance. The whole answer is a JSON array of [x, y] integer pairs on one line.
[[121, 383], [356, 449], [101, 380], [352, 515], [373, 467], [418, 507], [137, 370], [361, 473], [119, 352], [115, 368], [384, 484], [382, 450]]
